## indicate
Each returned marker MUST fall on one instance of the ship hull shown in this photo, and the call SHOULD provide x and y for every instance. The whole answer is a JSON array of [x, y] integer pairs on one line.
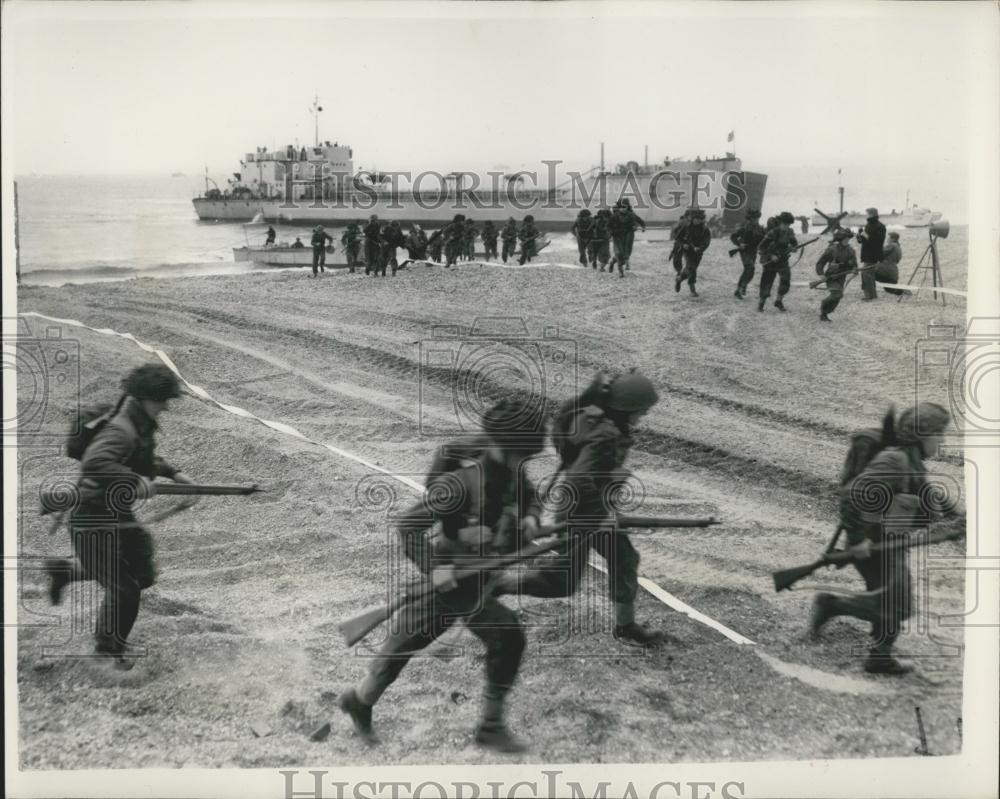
[[551, 212]]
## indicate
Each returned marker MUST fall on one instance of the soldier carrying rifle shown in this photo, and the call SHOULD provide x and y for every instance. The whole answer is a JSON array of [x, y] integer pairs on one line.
[[473, 505], [897, 473], [839, 261], [117, 469]]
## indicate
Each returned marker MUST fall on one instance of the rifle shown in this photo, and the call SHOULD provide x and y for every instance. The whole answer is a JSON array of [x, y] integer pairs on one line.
[[803, 245], [52, 501], [657, 522], [786, 578], [358, 626], [815, 283]]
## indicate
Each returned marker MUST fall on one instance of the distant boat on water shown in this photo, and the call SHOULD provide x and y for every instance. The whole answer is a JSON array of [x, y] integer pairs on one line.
[[913, 216], [176, 174]]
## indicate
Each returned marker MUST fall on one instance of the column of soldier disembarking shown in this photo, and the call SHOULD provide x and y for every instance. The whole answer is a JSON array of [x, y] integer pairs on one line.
[[486, 518]]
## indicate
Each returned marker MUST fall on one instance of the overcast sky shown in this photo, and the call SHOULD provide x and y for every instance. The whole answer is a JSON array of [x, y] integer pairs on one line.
[[149, 90]]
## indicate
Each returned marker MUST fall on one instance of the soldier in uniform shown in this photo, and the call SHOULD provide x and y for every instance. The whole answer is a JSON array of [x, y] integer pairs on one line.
[[454, 239], [694, 240], [416, 243], [490, 234], [391, 237], [117, 469], [887, 270], [600, 238], [435, 245], [900, 471], [509, 238], [837, 262], [624, 223], [319, 240], [527, 235], [583, 228], [593, 435], [469, 241], [373, 245], [775, 249], [677, 233], [747, 237], [351, 241], [471, 504], [271, 235], [872, 238]]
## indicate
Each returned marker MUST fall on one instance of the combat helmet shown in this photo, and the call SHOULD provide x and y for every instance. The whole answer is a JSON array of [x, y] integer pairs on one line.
[[631, 392], [152, 381], [927, 419], [786, 217]]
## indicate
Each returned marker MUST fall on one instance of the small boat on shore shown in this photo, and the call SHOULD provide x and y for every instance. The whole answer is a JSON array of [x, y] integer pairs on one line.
[[287, 255]]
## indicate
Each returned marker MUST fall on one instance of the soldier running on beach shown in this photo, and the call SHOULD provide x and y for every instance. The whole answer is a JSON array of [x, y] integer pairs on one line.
[[416, 244], [599, 250], [454, 239], [117, 469], [373, 245], [747, 237], [490, 234], [509, 238], [271, 236], [392, 238], [471, 504], [469, 240], [836, 263], [528, 234], [775, 250], [320, 238], [624, 222], [899, 474], [583, 228], [693, 240], [351, 241], [677, 233]]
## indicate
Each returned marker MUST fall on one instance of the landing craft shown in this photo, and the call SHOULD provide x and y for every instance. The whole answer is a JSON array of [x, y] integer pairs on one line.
[[319, 185]]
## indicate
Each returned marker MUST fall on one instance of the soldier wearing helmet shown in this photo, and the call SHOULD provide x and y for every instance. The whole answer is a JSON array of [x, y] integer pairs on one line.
[[593, 436], [117, 469], [489, 235], [747, 238], [508, 235], [373, 245], [528, 234], [692, 241], [473, 497], [837, 262], [319, 241], [776, 248], [583, 228], [896, 474]]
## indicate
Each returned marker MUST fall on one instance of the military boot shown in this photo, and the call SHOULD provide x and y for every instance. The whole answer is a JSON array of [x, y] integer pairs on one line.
[[360, 713], [779, 304], [57, 570], [627, 629], [824, 318], [677, 284], [760, 305], [881, 661], [823, 609], [492, 733]]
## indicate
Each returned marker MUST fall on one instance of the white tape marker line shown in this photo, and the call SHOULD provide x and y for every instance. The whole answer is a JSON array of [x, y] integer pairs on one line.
[[198, 391], [855, 686]]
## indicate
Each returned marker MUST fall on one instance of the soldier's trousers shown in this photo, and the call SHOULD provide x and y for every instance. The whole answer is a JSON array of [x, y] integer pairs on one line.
[[388, 258], [351, 250], [509, 245], [435, 251], [746, 276], [599, 253], [560, 576], [677, 259], [319, 259], [619, 245], [491, 249], [451, 252], [419, 624], [868, 282], [768, 272], [690, 272], [121, 561], [527, 252], [629, 244], [832, 300], [583, 245], [373, 252], [888, 600]]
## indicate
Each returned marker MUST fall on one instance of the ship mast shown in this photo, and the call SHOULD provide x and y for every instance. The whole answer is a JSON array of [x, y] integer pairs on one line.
[[315, 111]]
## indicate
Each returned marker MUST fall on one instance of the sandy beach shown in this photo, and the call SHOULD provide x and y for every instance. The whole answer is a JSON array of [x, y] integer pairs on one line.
[[240, 629]]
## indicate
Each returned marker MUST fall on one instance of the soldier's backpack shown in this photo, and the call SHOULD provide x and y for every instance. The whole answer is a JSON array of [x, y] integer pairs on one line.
[[452, 456], [85, 428], [865, 445]]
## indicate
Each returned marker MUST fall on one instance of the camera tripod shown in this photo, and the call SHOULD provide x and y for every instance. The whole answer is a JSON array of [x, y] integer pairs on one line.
[[932, 264]]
